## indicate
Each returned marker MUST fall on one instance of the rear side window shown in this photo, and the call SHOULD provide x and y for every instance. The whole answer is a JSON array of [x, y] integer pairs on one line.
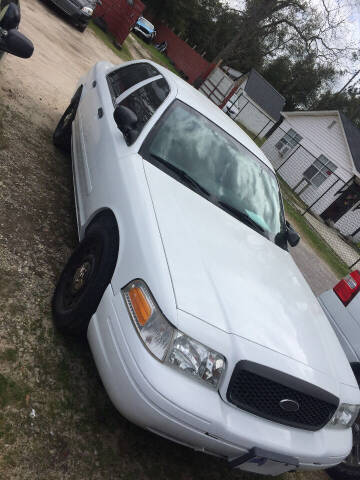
[[145, 101], [126, 77]]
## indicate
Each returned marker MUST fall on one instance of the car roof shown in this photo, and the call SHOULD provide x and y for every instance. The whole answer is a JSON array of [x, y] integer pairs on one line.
[[195, 99]]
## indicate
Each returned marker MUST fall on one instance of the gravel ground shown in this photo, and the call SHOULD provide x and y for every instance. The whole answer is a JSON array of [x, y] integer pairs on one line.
[[315, 270], [56, 421]]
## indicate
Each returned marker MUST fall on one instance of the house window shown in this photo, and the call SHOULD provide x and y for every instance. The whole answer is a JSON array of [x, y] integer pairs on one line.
[[288, 142], [319, 171]]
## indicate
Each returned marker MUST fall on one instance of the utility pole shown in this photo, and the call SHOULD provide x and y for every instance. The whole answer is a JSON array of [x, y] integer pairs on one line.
[[348, 83]]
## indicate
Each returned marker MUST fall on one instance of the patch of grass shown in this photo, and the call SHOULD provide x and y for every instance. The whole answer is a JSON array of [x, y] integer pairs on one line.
[[287, 192], [9, 460], [157, 57], [8, 355], [11, 393], [108, 39], [259, 140], [315, 241]]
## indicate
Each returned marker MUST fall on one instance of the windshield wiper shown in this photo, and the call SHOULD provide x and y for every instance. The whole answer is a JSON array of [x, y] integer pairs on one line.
[[181, 174], [242, 216], [239, 214]]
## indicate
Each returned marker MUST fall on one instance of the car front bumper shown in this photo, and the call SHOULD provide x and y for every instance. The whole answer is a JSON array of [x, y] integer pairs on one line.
[[72, 10], [138, 30], [157, 397]]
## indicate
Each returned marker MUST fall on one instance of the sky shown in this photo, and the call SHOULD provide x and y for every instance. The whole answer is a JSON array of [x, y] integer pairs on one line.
[[351, 32]]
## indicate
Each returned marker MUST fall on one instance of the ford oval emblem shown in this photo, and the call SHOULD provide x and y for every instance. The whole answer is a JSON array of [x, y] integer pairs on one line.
[[290, 406]]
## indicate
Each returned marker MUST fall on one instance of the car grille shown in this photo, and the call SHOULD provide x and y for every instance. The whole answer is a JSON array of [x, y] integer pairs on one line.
[[66, 5], [76, 3], [143, 30], [259, 390]]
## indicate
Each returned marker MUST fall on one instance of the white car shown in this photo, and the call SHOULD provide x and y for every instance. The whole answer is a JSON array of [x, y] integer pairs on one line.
[[201, 326], [342, 307]]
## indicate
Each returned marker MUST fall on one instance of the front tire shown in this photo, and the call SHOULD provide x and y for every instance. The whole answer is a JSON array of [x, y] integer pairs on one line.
[[82, 27], [62, 133], [86, 276]]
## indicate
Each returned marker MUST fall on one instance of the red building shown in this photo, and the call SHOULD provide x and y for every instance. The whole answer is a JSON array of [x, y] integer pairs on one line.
[[186, 60], [120, 16]]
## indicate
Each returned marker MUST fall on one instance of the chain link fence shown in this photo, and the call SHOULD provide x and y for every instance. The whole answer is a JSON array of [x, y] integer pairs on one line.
[[318, 190], [329, 202]]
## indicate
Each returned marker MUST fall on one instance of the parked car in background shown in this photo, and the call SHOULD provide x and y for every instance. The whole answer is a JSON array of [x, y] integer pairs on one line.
[[145, 29], [202, 327], [162, 47], [11, 40], [342, 307], [80, 11]]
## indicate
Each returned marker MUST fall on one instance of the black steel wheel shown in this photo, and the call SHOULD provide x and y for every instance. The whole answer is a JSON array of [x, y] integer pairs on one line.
[[86, 276], [82, 27]]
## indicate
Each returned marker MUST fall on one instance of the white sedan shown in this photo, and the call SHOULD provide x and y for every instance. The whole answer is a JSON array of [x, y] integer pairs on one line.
[[202, 327]]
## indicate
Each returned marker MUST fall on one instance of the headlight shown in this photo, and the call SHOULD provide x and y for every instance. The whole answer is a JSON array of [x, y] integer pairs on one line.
[[87, 10], [345, 415], [168, 344], [154, 329], [194, 359]]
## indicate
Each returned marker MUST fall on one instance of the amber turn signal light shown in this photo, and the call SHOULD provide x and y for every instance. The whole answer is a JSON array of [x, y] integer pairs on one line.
[[140, 305]]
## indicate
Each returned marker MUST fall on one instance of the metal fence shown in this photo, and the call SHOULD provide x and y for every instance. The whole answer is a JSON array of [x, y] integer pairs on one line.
[[291, 160], [320, 192], [247, 114], [217, 86], [229, 95]]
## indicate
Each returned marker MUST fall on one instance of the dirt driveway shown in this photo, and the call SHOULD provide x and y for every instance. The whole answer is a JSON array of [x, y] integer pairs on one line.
[[56, 421], [315, 270]]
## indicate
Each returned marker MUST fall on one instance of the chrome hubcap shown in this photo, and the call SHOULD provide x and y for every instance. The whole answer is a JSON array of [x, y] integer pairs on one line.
[[80, 277]]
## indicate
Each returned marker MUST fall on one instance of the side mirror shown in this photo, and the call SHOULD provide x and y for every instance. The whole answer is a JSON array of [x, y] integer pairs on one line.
[[17, 44], [292, 236], [126, 121], [10, 17]]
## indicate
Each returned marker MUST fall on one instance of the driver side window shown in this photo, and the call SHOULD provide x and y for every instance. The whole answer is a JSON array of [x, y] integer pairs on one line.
[[145, 101], [126, 77]]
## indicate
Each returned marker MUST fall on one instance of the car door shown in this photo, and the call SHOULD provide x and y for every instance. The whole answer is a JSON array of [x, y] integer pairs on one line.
[[141, 89], [96, 122]]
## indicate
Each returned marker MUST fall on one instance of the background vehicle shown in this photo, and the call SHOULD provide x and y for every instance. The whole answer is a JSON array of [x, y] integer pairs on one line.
[[342, 307], [145, 29], [181, 228], [11, 40], [80, 11], [162, 47]]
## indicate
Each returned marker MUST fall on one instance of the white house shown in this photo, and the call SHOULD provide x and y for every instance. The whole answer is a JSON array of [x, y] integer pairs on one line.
[[318, 155], [256, 104], [248, 98]]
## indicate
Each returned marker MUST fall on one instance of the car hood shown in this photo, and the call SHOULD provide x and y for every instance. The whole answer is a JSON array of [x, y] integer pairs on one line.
[[145, 25], [86, 3], [231, 277]]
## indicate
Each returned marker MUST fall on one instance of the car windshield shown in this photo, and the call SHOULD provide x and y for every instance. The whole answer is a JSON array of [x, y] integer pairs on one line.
[[146, 23], [226, 172]]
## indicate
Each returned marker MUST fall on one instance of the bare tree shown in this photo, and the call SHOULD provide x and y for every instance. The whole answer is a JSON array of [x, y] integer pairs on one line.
[[274, 26]]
